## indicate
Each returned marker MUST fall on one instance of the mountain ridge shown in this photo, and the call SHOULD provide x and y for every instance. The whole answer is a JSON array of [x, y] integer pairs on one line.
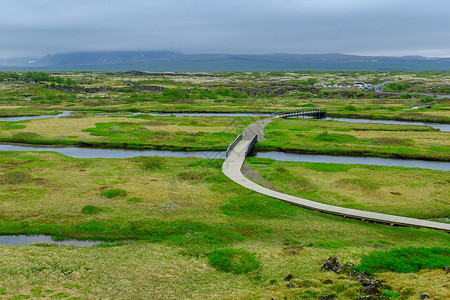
[[177, 61]]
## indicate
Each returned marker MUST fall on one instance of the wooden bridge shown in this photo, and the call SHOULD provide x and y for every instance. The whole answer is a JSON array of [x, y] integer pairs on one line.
[[314, 112], [242, 147]]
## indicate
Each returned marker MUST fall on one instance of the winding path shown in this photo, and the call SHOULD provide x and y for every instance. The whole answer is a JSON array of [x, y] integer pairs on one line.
[[232, 169]]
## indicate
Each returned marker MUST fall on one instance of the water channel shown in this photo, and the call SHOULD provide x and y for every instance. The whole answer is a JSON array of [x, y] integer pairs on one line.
[[441, 127], [22, 240], [78, 152]]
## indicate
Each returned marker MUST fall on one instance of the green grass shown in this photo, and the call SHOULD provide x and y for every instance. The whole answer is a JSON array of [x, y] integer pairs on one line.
[[405, 260], [114, 193], [236, 261], [360, 139], [407, 191], [174, 228], [257, 206], [142, 132]]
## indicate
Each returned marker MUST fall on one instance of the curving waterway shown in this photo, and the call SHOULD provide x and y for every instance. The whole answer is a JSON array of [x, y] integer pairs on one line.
[[441, 127], [78, 152]]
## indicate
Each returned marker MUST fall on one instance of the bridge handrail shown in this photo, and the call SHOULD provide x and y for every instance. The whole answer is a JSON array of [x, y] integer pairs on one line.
[[251, 145], [300, 112], [233, 144]]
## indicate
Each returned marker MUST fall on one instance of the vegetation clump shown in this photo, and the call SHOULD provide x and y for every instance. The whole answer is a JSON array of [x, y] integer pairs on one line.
[[236, 261], [405, 260], [152, 163], [91, 210], [114, 193], [15, 177], [258, 206]]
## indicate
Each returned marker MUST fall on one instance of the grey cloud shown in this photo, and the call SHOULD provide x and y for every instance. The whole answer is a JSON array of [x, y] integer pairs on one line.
[[37, 27]]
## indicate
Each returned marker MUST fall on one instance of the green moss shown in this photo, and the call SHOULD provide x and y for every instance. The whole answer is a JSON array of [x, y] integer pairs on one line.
[[236, 261], [258, 206], [405, 260], [114, 193], [91, 210]]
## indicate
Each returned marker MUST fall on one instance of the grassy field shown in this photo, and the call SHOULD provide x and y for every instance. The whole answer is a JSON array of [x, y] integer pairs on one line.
[[343, 138], [140, 132], [177, 228], [409, 192], [170, 214], [225, 92]]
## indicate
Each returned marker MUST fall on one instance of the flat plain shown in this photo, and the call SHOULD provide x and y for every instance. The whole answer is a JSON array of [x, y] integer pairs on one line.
[[162, 219]]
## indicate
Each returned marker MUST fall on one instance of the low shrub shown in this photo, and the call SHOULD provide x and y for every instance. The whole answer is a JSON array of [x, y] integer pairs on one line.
[[405, 260], [193, 175], [259, 206], [114, 193], [236, 261], [134, 200], [350, 108], [391, 141], [15, 177], [91, 210], [152, 163], [334, 137]]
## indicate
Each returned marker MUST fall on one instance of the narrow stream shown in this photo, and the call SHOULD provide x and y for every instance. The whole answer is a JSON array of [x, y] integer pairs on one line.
[[281, 156], [379, 161], [441, 127], [23, 240]]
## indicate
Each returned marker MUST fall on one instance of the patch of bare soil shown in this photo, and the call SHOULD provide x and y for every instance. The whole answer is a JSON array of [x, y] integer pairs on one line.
[[252, 174]]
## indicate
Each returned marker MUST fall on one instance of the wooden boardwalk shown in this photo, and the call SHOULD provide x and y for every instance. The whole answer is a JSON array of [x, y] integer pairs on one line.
[[232, 169]]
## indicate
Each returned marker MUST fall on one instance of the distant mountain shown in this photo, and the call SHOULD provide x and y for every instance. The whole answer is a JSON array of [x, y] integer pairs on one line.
[[102, 58], [179, 62]]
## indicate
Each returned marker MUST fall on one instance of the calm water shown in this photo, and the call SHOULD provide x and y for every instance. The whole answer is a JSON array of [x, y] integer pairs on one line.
[[442, 127], [22, 240], [63, 114], [410, 163], [282, 156], [78, 152]]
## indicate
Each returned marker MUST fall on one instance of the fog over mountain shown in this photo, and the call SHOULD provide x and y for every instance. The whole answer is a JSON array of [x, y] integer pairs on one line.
[[31, 28], [176, 61]]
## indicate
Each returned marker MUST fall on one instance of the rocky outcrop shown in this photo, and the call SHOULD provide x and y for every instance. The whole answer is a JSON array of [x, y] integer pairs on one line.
[[172, 74], [332, 264]]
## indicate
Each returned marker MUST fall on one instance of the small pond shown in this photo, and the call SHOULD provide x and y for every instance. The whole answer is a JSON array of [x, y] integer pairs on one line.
[[23, 240]]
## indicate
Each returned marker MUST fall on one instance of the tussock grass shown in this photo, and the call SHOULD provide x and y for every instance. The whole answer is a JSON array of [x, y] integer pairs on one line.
[[114, 193], [360, 139], [405, 260], [145, 132], [168, 256], [395, 190], [236, 261]]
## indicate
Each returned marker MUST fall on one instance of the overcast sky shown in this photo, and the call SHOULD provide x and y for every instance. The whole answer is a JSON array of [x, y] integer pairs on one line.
[[366, 27]]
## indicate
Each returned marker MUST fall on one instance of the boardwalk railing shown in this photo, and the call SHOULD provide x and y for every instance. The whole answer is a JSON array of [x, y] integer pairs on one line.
[[423, 105], [233, 144], [315, 112], [232, 169], [251, 145]]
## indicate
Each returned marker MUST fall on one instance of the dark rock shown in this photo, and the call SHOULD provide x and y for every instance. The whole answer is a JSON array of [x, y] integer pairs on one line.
[[329, 296], [371, 290], [366, 298], [347, 268], [349, 265], [332, 264], [367, 280], [425, 296], [290, 285], [289, 277]]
